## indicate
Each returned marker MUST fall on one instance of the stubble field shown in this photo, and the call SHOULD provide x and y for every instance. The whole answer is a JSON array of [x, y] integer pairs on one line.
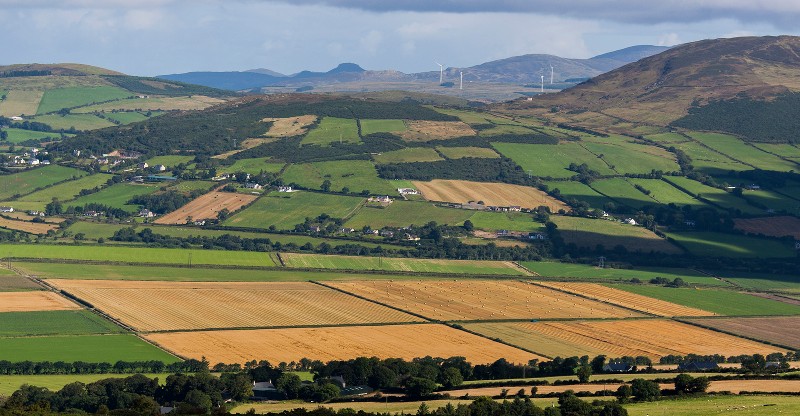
[[34, 301], [207, 207], [498, 194]]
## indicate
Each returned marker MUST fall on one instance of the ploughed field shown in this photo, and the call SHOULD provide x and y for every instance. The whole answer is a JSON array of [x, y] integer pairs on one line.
[[161, 306]]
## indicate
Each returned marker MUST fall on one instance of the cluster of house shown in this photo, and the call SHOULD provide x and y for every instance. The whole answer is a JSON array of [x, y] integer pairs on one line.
[[112, 159], [266, 390], [522, 235], [33, 157], [407, 191], [380, 200], [156, 168], [146, 213]]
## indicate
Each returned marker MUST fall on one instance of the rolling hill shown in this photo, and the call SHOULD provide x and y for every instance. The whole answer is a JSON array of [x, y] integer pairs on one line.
[[685, 85]]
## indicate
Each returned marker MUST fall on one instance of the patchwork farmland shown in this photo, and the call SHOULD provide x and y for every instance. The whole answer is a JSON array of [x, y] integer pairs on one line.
[[498, 194], [161, 306], [325, 344]]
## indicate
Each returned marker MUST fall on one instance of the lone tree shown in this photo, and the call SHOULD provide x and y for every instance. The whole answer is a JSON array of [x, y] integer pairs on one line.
[[583, 373]]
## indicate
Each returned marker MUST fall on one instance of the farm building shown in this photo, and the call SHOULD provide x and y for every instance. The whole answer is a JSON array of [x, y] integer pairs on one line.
[[33, 161], [6, 209], [143, 165], [265, 390], [698, 366], [407, 191], [537, 236], [617, 368], [160, 168], [146, 213], [629, 221], [252, 185], [285, 189]]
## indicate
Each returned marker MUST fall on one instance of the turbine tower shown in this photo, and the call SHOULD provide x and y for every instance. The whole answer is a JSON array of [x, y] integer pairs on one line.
[[441, 73], [551, 74], [461, 82], [542, 83]]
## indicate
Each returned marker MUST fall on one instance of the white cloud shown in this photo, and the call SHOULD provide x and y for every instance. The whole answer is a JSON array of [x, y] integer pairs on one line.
[[669, 39], [371, 41]]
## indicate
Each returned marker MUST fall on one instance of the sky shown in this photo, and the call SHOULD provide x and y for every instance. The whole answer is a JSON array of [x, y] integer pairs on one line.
[[154, 37]]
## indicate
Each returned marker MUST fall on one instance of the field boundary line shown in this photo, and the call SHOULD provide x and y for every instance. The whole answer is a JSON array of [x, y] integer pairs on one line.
[[280, 259], [253, 328], [530, 282], [721, 331], [534, 320], [374, 301], [531, 272], [497, 340]]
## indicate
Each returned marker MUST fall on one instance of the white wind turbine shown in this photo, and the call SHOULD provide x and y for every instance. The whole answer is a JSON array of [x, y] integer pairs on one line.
[[551, 74], [441, 72], [461, 82]]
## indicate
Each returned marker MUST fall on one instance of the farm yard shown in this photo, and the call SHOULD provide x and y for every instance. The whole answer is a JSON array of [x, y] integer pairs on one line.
[[465, 300], [207, 206], [782, 330], [497, 194], [653, 338], [627, 299], [325, 344], [318, 261]]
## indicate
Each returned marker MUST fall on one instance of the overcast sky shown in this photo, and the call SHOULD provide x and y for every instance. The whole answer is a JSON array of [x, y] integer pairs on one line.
[[150, 37]]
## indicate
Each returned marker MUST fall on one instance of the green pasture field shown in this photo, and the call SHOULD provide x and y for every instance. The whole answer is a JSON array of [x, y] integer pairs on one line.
[[772, 200], [188, 186], [65, 191], [578, 191], [285, 210], [169, 160], [404, 213], [88, 348], [30, 180], [786, 150], [95, 230], [719, 405], [137, 254], [20, 102], [462, 152], [194, 274], [512, 221], [128, 117], [763, 281], [78, 121], [551, 160], [11, 383], [409, 154], [319, 261], [333, 129], [54, 100], [620, 190], [369, 126], [79, 322], [708, 161], [117, 196], [252, 166], [506, 127], [358, 175], [19, 135], [716, 196], [666, 138], [584, 271], [627, 157], [722, 302], [586, 232], [711, 244], [666, 193], [739, 150]]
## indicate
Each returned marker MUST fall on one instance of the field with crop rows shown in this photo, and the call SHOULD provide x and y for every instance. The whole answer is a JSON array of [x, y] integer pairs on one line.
[[455, 300], [653, 338], [462, 152], [160, 306], [34, 301], [29, 180], [551, 160], [777, 330], [498, 194], [325, 344], [358, 175], [587, 232], [207, 206], [41, 323], [627, 299], [333, 129], [137, 254], [87, 348], [319, 261], [285, 210], [409, 154], [721, 302]]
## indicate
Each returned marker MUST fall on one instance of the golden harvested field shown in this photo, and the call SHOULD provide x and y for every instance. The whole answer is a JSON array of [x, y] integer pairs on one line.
[[628, 300], [772, 226], [654, 338], [419, 130], [28, 227], [161, 306], [21, 102], [781, 330], [207, 207], [498, 194], [524, 335], [455, 300], [326, 344], [767, 386], [34, 301], [289, 126]]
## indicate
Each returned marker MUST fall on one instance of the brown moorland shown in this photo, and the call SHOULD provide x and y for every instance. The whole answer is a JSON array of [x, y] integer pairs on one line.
[[340, 343], [207, 207], [289, 126], [497, 194]]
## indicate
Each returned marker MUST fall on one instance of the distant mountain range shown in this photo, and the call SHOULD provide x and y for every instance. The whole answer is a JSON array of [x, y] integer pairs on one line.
[[523, 69]]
